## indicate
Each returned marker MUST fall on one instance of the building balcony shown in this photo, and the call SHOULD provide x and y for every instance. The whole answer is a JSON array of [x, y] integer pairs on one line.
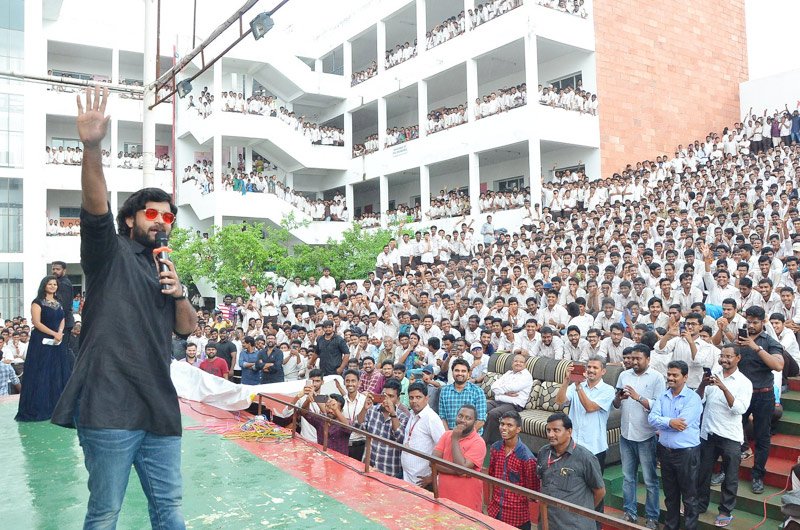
[[122, 109]]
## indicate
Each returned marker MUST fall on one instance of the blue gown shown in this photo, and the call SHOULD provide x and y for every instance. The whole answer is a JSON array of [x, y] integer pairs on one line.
[[46, 369]]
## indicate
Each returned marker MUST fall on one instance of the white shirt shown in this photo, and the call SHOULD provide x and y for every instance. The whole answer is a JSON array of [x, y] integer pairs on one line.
[[554, 351], [351, 410], [677, 349], [650, 385], [422, 433], [611, 353], [511, 381], [789, 342], [718, 417]]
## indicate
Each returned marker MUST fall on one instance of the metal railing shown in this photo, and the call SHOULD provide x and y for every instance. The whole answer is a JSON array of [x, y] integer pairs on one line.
[[545, 501]]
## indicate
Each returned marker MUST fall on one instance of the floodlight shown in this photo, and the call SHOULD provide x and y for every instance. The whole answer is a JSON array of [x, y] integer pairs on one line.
[[184, 87], [261, 25]]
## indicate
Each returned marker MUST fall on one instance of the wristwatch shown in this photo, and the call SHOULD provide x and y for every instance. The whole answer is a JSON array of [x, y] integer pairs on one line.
[[184, 293], [392, 415]]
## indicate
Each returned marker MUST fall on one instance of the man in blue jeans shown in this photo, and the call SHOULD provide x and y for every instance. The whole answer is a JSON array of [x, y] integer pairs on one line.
[[637, 389], [120, 396]]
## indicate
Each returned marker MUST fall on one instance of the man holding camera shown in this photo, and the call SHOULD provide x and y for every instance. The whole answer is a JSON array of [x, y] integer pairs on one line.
[[726, 393]]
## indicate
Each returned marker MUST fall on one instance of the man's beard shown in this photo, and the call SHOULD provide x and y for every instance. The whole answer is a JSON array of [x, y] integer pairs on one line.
[[142, 237], [467, 430]]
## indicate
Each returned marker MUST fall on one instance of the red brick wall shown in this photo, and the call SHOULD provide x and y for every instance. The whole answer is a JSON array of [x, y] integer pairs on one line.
[[667, 73]]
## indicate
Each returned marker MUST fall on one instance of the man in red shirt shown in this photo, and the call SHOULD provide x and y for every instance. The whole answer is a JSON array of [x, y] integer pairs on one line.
[[213, 364], [465, 447], [512, 461]]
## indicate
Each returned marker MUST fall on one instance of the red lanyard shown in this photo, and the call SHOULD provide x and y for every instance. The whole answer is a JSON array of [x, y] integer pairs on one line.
[[411, 430]]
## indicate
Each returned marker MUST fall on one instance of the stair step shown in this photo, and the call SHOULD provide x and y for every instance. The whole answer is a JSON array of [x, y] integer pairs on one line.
[[742, 520], [785, 446], [789, 423], [778, 470], [791, 400]]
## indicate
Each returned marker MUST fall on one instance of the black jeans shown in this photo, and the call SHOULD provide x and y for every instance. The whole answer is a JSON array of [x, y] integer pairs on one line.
[[761, 406], [679, 477], [710, 450], [356, 450]]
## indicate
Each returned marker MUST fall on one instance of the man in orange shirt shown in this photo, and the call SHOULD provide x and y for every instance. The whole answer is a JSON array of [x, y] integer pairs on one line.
[[465, 447]]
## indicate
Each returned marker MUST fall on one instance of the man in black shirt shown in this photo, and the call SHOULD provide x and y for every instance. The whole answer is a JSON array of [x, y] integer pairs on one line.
[[761, 354], [227, 350], [332, 352], [270, 362], [131, 311], [64, 294]]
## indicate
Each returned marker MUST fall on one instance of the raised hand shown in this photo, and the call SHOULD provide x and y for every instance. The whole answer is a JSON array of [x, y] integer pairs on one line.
[[92, 122]]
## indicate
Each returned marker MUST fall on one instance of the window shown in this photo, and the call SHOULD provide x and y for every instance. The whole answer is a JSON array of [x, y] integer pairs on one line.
[[511, 183], [10, 215], [69, 212], [571, 80], [132, 148], [11, 125], [12, 19], [11, 290]]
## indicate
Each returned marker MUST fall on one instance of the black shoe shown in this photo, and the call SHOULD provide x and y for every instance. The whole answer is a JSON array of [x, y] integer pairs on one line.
[[630, 518], [757, 486], [651, 524], [717, 479]]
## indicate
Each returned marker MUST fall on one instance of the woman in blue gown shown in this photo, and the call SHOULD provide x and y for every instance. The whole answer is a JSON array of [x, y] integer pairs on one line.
[[47, 366]]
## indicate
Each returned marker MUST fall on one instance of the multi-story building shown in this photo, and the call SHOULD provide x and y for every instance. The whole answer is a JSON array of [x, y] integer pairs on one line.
[[335, 74]]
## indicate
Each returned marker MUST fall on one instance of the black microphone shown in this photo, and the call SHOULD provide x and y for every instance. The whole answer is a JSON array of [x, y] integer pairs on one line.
[[162, 241]]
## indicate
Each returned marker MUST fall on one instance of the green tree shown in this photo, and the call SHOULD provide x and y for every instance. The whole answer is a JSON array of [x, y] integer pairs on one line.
[[258, 253]]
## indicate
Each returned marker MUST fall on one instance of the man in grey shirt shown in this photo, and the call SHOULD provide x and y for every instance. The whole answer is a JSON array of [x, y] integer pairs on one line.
[[569, 472]]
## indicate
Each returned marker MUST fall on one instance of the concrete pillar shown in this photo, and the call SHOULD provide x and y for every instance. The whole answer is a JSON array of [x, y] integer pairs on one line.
[[288, 180], [347, 60], [383, 182], [34, 193], [472, 87], [382, 121], [115, 145], [531, 65], [318, 67], [248, 159], [422, 104], [381, 47], [424, 191], [349, 201], [114, 201], [422, 25], [148, 76], [216, 166], [233, 156], [216, 89], [348, 132], [474, 183], [535, 168], [115, 65]]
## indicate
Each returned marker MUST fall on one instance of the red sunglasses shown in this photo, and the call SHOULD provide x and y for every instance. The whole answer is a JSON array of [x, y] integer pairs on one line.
[[151, 214]]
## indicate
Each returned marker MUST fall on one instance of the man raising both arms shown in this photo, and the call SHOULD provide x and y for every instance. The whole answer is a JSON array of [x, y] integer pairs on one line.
[[125, 349]]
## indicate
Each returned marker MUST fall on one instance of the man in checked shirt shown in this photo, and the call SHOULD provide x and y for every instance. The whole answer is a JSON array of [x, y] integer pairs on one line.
[[387, 419], [512, 461]]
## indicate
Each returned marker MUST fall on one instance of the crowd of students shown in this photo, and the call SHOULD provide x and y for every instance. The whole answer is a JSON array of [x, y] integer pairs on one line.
[[660, 268], [400, 53], [501, 100], [574, 7], [569, 99], [399, 135]]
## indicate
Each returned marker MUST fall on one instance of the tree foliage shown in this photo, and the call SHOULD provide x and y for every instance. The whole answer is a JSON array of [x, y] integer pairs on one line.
[[259, 253]]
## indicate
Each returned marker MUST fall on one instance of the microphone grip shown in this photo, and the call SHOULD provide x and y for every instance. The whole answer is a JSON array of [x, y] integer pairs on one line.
[[163, 267]]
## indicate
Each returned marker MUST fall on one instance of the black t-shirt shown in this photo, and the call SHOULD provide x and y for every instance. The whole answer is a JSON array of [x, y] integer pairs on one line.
[[330, 353], [225, 350], [121, 378], [753, 367], [64, 295]]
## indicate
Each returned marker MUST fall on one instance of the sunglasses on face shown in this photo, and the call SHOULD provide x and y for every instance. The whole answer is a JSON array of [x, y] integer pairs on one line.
[[151, 214]]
